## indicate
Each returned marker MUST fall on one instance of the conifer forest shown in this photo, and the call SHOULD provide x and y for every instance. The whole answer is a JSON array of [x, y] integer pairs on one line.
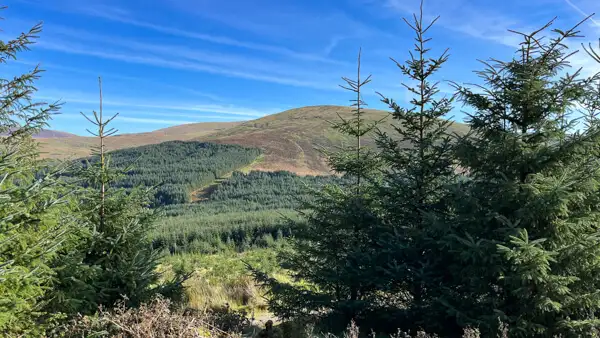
[[424, 225]]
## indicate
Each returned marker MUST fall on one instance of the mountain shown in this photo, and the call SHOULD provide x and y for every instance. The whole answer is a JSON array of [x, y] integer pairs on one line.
[[288, 139], [47, 133], [79, 146], [291, 140]]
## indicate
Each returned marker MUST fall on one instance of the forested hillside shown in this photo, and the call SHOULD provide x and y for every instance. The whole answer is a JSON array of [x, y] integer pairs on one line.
[[176, 168], [246, 210]]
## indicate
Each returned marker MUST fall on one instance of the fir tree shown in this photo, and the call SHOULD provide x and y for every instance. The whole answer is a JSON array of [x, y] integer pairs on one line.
[[114, 255], [524, 238], [32, 228], [333, 247], [420, 166]]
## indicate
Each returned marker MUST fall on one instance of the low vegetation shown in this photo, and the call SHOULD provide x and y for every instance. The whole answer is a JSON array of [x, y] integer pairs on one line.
[[222, 279], [158, 319]]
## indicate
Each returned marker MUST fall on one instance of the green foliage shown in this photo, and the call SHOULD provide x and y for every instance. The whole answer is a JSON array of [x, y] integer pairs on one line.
[[31, 224], [175, 167], [333, 247], [522, 245], [244, 211], [111, 257], [513, 240], [419, 159]]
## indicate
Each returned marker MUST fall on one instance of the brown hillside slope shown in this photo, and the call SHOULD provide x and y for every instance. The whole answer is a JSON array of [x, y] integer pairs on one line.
[[289, 139], [79, 146], [47, 133]]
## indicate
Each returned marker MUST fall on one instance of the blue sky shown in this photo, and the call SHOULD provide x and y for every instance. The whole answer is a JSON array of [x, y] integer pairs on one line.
[[168, 62]]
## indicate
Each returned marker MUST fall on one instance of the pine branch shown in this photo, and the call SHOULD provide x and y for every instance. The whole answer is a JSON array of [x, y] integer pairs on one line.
[[591, 52]]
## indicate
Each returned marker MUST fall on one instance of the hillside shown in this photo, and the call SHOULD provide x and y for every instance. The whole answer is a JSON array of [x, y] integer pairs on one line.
[[176, 168], [47, 133], [288, 139], [79, 146]]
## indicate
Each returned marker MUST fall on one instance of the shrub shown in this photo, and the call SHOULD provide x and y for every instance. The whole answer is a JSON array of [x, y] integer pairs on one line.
[[157, 318]]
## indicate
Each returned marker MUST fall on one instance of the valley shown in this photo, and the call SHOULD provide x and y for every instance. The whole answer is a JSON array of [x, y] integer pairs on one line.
[[215, 209], [225, 192]]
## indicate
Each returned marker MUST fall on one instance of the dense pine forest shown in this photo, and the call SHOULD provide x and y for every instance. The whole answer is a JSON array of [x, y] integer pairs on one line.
[[176, 168], [245, 211], [426, 233]]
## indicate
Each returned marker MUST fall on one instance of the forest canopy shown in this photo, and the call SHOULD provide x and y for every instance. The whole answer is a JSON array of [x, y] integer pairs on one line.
[[176, 168]]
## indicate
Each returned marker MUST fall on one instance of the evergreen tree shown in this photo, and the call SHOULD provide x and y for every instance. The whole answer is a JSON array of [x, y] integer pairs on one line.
[[333, 246], [419, 161], [523, 243], [114, 253], [31, 226]]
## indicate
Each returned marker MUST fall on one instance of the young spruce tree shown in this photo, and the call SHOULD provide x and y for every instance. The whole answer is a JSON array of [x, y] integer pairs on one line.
[[115, 257], [524, 238], [333, 247], [31, 226], [418, 156]]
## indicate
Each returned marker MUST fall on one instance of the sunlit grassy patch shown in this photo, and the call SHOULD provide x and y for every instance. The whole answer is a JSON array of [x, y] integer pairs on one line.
[[223, 279]]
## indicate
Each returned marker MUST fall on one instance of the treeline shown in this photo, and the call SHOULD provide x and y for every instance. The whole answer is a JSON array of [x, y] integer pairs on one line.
[[244, 211], [175, 167]]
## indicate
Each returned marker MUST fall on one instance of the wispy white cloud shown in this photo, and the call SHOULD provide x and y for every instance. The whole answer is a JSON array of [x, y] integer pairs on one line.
[[116, 14], [288, 69], [486, 23], [582, 60], [164, 62], [52, 66], [296, 22], [580, 11], [463, 17], [135, 119], [333, 43], [83, 98]]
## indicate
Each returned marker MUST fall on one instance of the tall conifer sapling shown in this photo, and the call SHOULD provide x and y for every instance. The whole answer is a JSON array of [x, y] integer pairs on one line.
[[333, 246], [418, 158]]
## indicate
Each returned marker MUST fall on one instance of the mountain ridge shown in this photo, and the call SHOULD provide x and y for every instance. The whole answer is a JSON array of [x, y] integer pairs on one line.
[[288, 139], [47, 133]]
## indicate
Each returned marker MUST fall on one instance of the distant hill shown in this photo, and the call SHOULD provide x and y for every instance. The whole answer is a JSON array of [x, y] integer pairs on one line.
[[79, 146], [287, 139], [46, 133]]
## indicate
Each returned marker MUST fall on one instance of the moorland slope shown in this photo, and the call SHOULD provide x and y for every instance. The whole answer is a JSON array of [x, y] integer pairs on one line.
[[289, 140]]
